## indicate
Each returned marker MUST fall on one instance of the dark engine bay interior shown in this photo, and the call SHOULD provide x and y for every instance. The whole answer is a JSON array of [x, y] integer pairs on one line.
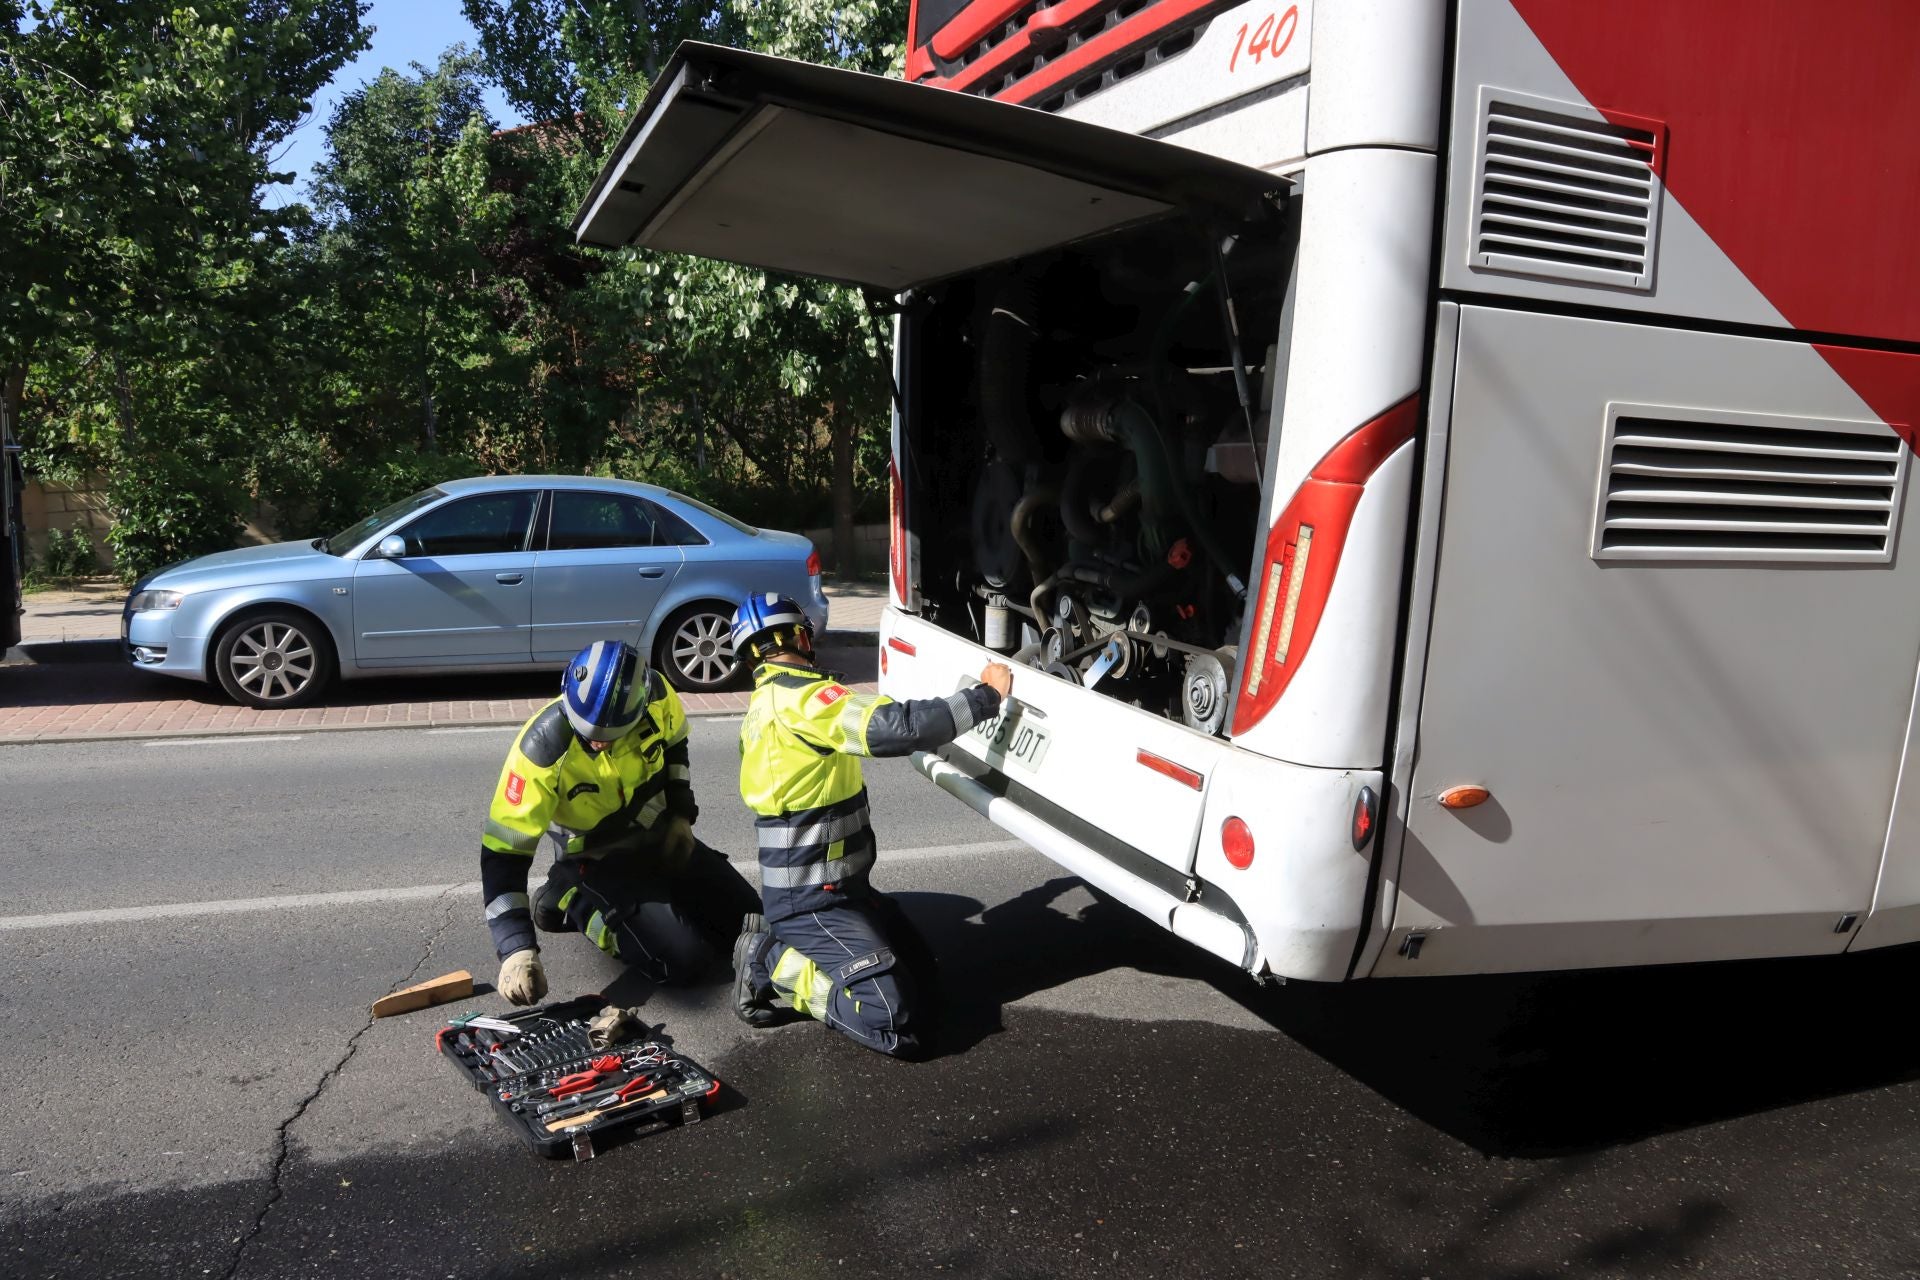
[[1087, 435]]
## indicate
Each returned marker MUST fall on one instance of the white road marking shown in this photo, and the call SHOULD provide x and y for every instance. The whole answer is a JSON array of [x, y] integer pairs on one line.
[[222, 741], [477, 728], [353, 897], [228, 906]]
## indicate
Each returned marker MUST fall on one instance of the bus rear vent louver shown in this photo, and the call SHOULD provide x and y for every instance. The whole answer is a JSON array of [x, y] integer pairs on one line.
[[1563, 196], [1684, 484]]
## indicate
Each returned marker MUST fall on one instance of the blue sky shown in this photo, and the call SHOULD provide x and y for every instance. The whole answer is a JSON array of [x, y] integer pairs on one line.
[[405, 31]]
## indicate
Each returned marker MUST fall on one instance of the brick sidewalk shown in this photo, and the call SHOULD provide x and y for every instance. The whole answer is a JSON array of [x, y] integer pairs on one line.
[[97, 701]]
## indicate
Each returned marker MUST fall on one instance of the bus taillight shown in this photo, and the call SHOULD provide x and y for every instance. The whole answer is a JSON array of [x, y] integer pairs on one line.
[[897, 548], [1303, 553]]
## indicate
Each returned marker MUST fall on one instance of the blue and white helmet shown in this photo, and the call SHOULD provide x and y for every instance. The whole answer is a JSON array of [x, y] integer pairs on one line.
[[605, 690], [763, 612]]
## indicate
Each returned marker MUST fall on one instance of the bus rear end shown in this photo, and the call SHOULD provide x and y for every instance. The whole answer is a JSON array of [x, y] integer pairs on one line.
[[1167, 474]]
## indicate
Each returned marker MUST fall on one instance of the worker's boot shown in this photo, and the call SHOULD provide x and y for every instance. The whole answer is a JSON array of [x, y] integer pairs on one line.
[[755, 1000]]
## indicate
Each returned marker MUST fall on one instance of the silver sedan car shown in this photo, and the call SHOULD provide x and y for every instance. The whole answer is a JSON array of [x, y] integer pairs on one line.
[[502, 573]]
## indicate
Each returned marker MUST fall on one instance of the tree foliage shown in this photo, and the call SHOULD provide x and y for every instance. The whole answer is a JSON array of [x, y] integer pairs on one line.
[[428, 313], [136, 139]]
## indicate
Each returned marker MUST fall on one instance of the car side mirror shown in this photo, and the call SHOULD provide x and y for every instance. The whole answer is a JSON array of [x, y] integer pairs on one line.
[[392, 547]]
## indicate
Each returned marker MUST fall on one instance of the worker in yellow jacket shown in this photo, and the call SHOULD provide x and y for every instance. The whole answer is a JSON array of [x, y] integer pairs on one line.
[[827, 944], [602, 771]]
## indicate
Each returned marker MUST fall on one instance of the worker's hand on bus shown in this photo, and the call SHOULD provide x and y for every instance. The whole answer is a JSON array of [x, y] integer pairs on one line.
[[998, 677]]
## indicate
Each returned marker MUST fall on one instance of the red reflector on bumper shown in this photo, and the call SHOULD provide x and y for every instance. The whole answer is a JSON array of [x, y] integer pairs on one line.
[[906, 647], [1236, 841], [1178, 772]]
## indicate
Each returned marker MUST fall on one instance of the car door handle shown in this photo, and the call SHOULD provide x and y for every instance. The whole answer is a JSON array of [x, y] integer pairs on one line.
[[508, 579], [652, 571]]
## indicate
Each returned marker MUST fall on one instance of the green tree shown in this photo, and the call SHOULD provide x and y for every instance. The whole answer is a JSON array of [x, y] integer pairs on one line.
[[789, 374], [136, 139], [408, 208]]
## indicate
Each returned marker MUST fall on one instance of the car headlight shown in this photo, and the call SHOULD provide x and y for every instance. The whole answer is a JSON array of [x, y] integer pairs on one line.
[[147, 601]]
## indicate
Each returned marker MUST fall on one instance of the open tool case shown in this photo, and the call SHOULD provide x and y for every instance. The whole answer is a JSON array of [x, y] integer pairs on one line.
[[558, 1092]]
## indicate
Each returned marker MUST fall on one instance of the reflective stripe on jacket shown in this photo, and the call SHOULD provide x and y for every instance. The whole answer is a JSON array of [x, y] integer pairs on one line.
[[588, 804], [800, 772]]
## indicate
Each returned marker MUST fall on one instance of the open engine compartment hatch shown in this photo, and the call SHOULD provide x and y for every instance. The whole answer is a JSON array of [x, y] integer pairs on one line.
[[875, 182]]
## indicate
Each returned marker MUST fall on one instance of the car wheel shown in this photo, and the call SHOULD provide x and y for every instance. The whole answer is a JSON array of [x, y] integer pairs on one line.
[[695, 651], [279, 659]]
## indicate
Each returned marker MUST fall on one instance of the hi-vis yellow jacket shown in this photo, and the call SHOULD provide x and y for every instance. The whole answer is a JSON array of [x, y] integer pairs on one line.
[[589, 804], [800, 774]]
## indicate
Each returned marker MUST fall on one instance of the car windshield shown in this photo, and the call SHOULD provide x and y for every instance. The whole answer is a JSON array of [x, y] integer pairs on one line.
[[715, 512], [354, 534]]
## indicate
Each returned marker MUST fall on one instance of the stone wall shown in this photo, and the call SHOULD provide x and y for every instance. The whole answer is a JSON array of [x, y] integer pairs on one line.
[[47, 505], [869, 549]]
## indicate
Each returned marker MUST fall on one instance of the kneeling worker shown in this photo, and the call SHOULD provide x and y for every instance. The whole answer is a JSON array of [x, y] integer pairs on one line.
[[603, 771], [829, 944]]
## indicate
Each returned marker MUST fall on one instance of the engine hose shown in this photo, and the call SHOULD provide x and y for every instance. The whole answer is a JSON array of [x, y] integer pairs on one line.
[[1151, 581], [1124, 501], [1162, 341], [1157, 486], [1006, 357], [1038, 599], [1076, 507], [1159, 489], [1034, 500]]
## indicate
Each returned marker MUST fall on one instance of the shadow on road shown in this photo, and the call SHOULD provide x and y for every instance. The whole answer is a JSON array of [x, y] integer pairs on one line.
[[1513, 1065], [1556, 1064]]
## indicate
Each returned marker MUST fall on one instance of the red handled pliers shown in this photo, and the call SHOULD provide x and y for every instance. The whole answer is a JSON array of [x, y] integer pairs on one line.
[[583, 1081]]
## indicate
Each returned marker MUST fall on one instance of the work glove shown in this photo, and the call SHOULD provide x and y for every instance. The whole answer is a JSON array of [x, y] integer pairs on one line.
[[523, 979], [676, 843], [614, 1025]]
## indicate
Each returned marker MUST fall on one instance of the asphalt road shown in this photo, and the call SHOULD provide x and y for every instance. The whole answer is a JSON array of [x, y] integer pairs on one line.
[[193, 932]]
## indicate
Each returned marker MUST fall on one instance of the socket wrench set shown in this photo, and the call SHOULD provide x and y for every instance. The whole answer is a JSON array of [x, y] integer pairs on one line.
[[557, 1090]]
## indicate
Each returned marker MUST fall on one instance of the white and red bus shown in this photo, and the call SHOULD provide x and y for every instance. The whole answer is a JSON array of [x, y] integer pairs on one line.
[[1438, 468]]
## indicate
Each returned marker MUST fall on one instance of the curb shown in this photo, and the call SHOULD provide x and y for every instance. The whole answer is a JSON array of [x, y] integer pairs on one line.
[[16, 740]]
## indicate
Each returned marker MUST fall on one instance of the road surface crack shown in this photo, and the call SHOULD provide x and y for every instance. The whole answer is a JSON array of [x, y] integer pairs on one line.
[[282, 1148]]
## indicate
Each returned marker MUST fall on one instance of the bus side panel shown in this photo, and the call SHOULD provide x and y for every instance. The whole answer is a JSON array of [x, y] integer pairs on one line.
[[1895, 916], [1501, 60], [1437, 428], [1777, 135], [1688, 709]]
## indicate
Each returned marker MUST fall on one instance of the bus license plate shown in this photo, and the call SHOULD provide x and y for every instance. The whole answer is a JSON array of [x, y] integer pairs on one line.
[[1012, 739]]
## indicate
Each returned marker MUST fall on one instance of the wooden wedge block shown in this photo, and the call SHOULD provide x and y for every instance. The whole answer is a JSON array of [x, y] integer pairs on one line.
[[457, 985]]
